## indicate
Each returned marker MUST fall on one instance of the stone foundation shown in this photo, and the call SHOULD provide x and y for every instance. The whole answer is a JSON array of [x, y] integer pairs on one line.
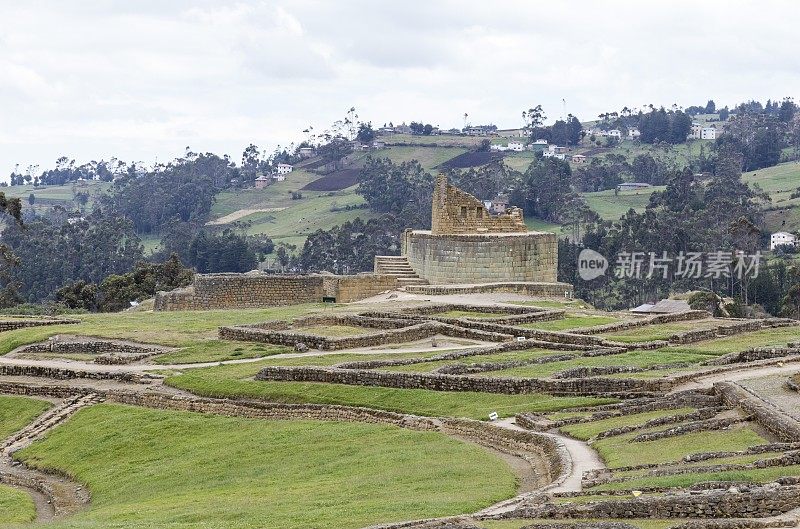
[[482, 257], [255, 290]]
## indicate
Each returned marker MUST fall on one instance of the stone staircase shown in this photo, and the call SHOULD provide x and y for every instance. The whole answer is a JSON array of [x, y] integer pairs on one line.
[[45, 422], [398, 266]]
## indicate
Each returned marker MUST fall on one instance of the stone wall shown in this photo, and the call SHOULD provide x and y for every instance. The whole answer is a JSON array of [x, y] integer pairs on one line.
[[254, 290], [765, 413], [443, 382], [69, 374], [757, 502], [456, 211], [109, 352], [547, 290], [10, 325], [644, 321], [408, 333], [482, 257]]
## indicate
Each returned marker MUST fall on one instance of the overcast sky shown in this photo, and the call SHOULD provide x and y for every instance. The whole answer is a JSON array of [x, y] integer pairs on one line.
[[142, 80]]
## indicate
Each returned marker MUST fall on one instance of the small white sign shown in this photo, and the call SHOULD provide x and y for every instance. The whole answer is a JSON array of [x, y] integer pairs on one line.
[[520, 338], [493, 416]]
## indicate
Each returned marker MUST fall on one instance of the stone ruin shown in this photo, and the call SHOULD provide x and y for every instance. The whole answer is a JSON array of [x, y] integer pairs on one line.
[[469, 245], [466, 245]]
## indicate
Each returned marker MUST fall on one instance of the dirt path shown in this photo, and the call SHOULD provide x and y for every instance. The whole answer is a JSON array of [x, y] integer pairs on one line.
[[582, 458]]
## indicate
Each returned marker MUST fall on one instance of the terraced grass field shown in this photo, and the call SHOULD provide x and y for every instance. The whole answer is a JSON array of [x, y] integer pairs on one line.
[[148, 468], [16, 506], [571, 321], [195, 331], [611, 205], [16, 412], [235, 381], [619, 451]]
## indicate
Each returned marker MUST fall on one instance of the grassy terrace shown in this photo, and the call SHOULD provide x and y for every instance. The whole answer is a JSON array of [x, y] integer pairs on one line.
[[425, 367], [619, 451], [15, 412], [196, 332], [571, 321], [588, 430], [16, 506], [520, 524], [643, 359], [239, 473], [237, 381], [661, 331]]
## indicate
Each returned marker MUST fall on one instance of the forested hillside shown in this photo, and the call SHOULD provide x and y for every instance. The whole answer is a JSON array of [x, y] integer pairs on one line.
[[344, 203]]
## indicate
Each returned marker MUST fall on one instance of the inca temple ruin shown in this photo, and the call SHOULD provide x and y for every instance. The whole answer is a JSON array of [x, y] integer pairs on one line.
[[467, 249]]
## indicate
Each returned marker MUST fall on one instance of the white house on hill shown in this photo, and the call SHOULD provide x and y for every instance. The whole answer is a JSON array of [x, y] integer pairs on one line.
[[283, 168], [782, 238]]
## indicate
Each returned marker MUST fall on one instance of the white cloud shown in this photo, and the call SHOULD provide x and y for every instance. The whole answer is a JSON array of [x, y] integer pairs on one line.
[[140, 80]]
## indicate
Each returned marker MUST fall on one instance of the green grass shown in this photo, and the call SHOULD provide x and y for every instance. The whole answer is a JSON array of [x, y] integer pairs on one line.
[[17, 412], [761, 475], [611, 206], [571, 321], [428, 157], [148, 468], [472, 314], [519, 524], [619, 451], [588, 430], [478, 359], [638, 358], [741, 342], [335, 331], [176, 329], [16, 506], [219, 351], [554, 304], [535, 224], [661, 331], [236, 381]]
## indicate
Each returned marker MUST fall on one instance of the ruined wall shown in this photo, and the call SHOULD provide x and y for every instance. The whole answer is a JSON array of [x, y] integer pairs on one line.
[[456, 211], [229, 291], [482, 258], [443, 382]]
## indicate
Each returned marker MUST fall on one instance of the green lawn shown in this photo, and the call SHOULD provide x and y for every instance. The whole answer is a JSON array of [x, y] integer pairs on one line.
[[760, 475], [571, 321], [529, 354], [179, 329], [531, 522], [637, 358], [17, 412], [661, 331], [588, 430], [16, 506], [219, 351], [611, 205], [149, 468], [472, 314], [236, 381], [335, 331], [619, 451], [428, 157], [741, 342]]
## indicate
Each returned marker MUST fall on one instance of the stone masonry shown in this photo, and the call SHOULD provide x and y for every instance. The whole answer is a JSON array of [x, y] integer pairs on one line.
[[254, 290], [468, 245], [456, 211]]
